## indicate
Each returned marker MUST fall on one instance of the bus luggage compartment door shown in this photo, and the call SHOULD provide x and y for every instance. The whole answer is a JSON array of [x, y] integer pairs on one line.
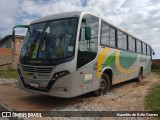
[[85, 79]]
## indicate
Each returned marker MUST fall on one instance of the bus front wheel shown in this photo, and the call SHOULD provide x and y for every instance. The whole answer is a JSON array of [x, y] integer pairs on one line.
[[104, 85]]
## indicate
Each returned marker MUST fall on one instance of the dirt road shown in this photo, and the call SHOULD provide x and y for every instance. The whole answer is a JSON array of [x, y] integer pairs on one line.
[[128, 96]]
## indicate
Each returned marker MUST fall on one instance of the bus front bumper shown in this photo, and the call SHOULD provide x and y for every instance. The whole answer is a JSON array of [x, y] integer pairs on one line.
[[51, 90]]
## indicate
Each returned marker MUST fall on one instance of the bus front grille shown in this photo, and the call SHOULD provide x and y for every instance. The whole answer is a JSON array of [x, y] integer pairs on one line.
[[37, 69]]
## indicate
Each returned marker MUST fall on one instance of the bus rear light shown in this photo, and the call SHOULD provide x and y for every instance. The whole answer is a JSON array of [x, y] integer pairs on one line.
[[60, 74]]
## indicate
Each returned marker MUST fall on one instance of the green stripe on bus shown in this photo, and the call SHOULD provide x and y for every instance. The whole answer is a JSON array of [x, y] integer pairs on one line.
[[109, 60], [127, 59]]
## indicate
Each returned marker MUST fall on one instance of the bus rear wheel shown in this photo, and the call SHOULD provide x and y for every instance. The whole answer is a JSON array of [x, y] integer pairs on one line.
[[140, 75], [104, 85]]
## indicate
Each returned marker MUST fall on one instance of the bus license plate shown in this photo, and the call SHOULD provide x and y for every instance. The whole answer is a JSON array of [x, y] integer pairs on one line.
[[35, 85]]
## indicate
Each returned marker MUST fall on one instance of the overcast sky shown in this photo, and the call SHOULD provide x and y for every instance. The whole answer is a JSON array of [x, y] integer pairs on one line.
[[139, 17]]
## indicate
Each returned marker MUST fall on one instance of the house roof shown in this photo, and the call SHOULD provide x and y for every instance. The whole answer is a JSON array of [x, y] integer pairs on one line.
[[4, 38], [9, 36]]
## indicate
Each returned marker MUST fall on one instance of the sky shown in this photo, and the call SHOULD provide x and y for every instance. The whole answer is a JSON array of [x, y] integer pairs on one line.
[[139, 17]]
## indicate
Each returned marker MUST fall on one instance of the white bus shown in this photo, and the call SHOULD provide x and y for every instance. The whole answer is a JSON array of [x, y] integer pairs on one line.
[[73, 53]]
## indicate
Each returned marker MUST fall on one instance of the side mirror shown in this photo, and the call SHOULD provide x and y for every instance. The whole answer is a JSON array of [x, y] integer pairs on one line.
[[18, 26], [153, 53], [13, 35], [87, 33]]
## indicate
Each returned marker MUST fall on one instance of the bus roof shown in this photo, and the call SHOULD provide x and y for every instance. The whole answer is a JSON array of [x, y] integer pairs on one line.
[[58, 16]]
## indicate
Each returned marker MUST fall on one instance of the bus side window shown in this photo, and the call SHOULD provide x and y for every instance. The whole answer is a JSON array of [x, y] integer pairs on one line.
[[112, 37], [124, 41], [138, 44], [108, 35], [120, 39], [148, 50], [105, 34], [130, 43], [144, 48], [134, 45]]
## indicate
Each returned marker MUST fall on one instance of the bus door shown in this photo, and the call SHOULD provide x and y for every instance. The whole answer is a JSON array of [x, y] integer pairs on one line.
[[87, 52]]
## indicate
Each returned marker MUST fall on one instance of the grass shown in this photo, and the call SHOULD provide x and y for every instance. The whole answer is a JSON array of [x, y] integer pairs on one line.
[[157, 71], [8, 74], [152, 100]]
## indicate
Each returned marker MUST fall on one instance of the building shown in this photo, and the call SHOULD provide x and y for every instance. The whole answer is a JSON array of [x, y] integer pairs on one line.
[[156, 61], [17, 49], [6, 42], [10, 51]]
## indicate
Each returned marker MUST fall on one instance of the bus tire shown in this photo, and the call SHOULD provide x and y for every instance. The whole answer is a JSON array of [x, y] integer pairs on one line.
[[104, 85], [140, 75]]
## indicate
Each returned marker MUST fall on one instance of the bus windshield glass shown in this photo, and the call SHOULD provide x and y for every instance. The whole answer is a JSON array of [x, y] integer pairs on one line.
[[49, 41]]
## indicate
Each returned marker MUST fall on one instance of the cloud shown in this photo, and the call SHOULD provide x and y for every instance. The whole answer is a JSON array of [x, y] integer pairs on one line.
[[42, 9], [140, 18], [8, 12]]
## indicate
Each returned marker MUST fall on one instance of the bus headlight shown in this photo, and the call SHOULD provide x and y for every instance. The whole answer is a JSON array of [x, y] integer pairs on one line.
[[60, 74]]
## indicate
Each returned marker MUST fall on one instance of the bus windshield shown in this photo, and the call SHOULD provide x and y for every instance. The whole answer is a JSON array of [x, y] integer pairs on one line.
[[48, 41]]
